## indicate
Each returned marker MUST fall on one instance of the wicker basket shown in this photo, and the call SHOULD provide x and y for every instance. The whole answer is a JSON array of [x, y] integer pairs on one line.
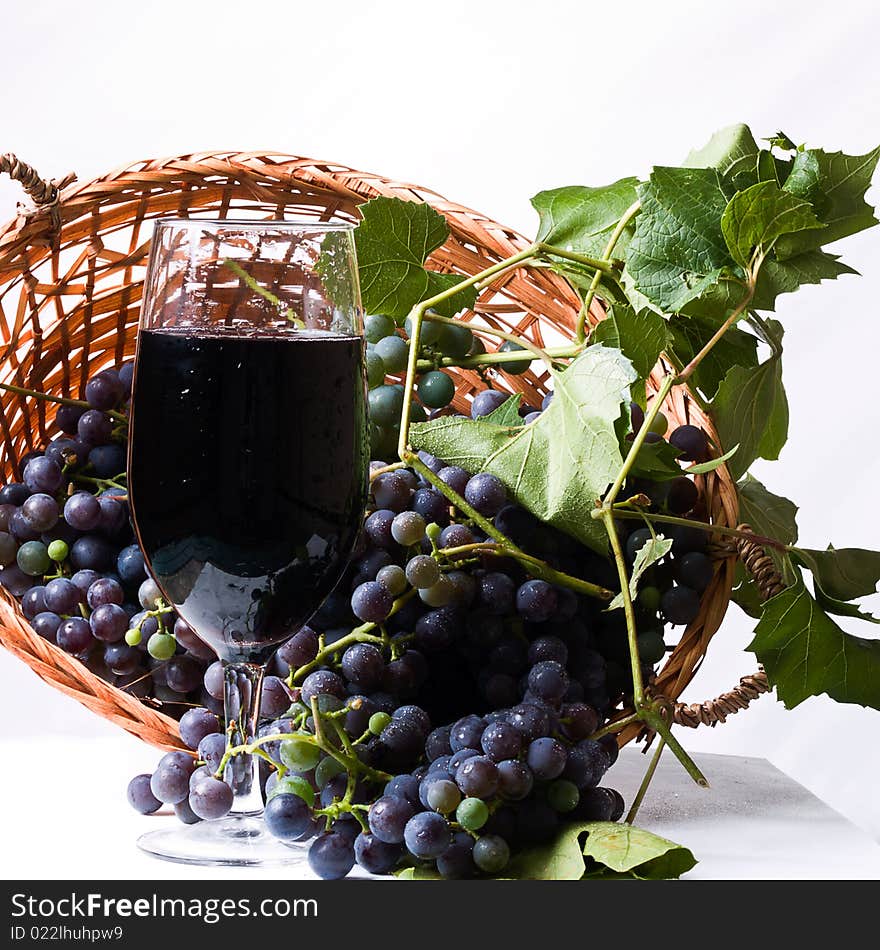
[[71, 278]]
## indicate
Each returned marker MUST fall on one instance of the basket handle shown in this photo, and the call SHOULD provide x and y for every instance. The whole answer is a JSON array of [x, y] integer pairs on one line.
[[44, 194], [760, 566]]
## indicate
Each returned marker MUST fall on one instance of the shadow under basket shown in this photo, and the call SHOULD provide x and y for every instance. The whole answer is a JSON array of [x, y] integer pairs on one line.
[[71, 279]]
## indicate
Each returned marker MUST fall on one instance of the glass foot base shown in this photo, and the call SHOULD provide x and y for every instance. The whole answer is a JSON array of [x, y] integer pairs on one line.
[[231, 842]]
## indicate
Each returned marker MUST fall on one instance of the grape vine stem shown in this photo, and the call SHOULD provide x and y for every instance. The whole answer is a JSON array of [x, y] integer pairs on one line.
[[536, 567], [646, 781]]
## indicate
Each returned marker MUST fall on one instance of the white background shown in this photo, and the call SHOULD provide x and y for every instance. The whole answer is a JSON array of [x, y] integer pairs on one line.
[[489, 103]]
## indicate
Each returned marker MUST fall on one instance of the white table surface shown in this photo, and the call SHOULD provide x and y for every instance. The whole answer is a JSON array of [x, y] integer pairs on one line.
[[71, 820]]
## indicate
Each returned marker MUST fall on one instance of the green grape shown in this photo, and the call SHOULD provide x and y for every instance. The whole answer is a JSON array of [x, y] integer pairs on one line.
[[430, 331], [133, 636], [385, 405], [659, 425], [295, 785], [455, 340], [649, 598], [478, 347], [652, 647], [436, 389], [58, 551], [33, 558], [161, 646], [299, 755], [472, 814], [563, 796], [377, 326], [433, 531], [394, 352], [516, 367], [383, 442], [326, 769], [375, 370], [378, 721]]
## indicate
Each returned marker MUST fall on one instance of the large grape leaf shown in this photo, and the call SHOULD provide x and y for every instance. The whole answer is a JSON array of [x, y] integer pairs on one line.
[[642, 336], [844, 573], [581, 219], [838, 187], [678, 250], [750, 410], [805, 653], [736, 348], [733, 152], [756, 217], [772, 516], [601, 849], [393, 241], [804, 175], [841, 575], [623, 849], [560, 465], [775, 278]]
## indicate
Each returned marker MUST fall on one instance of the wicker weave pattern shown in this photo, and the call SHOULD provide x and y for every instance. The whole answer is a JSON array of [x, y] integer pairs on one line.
[[70, 291]]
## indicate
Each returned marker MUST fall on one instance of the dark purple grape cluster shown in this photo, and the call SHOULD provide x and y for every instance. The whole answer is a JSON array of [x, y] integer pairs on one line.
[[68, 552]]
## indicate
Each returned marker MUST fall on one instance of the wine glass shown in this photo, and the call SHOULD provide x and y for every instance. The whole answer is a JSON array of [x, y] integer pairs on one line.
[[248, 460]]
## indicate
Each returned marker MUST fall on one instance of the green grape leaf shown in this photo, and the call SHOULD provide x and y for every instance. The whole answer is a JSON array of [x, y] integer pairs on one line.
[[507, 414], [418, 873], [581, 219], [751, 411], [805, 653], [774, 278], [781, 140], [733, 152], [756, 217], [678, 250], [393, 241], [642, 337], [634, 852], [652, 551], [784, 277], [772, 516], [804, 177], [561, 859], [703, 468], [839, 199], [611, 850], [745, 593], [736, 348], [558, 466], [842, 573], [656, 461]]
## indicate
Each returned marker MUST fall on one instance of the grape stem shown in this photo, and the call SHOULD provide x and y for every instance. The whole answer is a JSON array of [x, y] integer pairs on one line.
[[393, 467], [702, 526], [628, 215], [536, 353], [255, 748], [493, 359], [61, 400], [360, 634], [646, 781], [535, 566], [417, 314]]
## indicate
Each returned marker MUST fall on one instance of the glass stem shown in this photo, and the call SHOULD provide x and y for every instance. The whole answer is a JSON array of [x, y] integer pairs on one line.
[[243, 683]]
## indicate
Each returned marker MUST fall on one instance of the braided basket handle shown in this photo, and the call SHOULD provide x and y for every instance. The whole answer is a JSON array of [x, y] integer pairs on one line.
[[44, 194], [763, 571]]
